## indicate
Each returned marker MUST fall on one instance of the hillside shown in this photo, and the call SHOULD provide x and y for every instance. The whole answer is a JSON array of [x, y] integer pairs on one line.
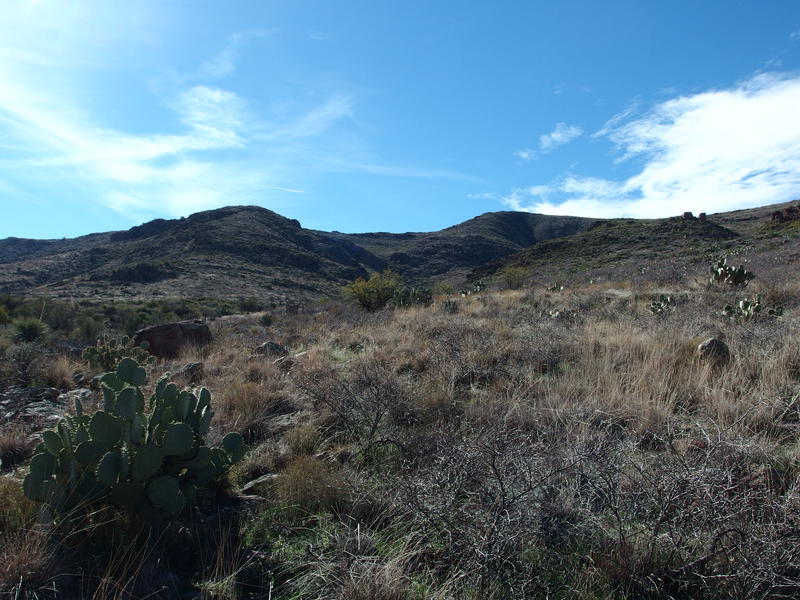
[[474, 242], [241, 251], [224, 252], [658, 250]]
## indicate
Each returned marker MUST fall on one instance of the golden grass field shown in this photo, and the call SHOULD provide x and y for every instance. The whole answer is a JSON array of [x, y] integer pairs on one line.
[[524, 444]]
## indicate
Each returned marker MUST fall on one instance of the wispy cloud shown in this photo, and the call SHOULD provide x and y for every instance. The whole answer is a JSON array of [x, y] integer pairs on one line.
[[714, 151], [561, 134], [224, 62], [795, 35], [210, 144]]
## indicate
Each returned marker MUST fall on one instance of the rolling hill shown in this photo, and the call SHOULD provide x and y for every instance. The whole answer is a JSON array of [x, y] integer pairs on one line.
[[252, 251]]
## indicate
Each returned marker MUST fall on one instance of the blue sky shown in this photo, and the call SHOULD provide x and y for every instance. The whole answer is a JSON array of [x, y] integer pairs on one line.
[[379, 115]]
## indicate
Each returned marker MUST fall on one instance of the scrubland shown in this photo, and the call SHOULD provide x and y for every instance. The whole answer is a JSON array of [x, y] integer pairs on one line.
[[508, 444]]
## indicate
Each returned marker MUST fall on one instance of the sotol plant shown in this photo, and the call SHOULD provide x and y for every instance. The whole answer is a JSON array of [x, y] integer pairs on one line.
[[151, 464]]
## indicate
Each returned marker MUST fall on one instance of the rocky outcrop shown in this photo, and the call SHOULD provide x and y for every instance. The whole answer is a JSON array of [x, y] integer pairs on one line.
[[166, 341]]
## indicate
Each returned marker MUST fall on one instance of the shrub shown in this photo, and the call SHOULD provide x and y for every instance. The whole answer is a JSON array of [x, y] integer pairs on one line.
[[514, 278], [153, 465], [374, 293], [310, 485], [303, 439], [4, 318], [266, 320], [28, 329], [23, 362], [248, 305]]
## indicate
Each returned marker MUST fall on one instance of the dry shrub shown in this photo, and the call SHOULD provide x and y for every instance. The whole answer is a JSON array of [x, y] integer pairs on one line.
[[16, 446], [16, 511], [309, 485], [27, 563], [303, 440], [266, 458], [372, 580], [58, 373], [246, 406]]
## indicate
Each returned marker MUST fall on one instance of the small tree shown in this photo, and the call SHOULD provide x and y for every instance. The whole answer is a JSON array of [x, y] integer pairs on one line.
[[373, 293]]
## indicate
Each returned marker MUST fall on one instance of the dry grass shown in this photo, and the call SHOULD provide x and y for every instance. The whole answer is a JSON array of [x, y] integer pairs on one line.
[[16, 446], [309, 485], [536, 443]]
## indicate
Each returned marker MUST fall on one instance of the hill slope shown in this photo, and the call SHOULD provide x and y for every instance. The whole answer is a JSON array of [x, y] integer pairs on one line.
[[659, 250], [248, 250], [464, 246]]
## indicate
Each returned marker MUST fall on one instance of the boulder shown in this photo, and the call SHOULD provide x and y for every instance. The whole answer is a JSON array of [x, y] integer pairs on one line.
[[714, 350], [167, 340], [273, 349]]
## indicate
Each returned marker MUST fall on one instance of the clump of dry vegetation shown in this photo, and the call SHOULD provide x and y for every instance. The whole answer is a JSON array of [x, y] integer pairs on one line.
[[565, 443]]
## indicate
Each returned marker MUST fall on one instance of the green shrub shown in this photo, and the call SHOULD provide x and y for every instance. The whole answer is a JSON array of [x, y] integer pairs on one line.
[[514, 278], [151, 464], [248, 305], [4, 318], [28, 329], [266, 319], [374, 293]]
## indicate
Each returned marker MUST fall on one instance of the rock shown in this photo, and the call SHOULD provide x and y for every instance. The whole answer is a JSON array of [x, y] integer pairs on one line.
[[193, 372], [272, 349], [167, 340], [688, 215], [714, 350], [702, 217], [68, 398]]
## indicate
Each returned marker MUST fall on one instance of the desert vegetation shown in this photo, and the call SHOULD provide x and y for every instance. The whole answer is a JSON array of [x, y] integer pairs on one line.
[[519, 440]]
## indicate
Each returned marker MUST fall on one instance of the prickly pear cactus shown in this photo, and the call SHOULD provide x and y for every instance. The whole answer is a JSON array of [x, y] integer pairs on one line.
[[722, 272], [107, 354], [153, 464]]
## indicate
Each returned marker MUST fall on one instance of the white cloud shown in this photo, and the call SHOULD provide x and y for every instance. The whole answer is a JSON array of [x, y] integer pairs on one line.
[[223, 63], [525, 154], [709, 152], [795, 35], [562, 134]]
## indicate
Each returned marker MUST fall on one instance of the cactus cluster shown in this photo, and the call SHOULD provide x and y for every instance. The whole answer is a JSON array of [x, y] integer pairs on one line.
[[660, 306], [478, 286], [150, 464], [107, 354], [410, 296], [722, 272], [748, 309]]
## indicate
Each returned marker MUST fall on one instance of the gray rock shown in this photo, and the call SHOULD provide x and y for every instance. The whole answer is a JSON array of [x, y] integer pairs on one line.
[[193, 372], [714, 351], [273, 349]]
